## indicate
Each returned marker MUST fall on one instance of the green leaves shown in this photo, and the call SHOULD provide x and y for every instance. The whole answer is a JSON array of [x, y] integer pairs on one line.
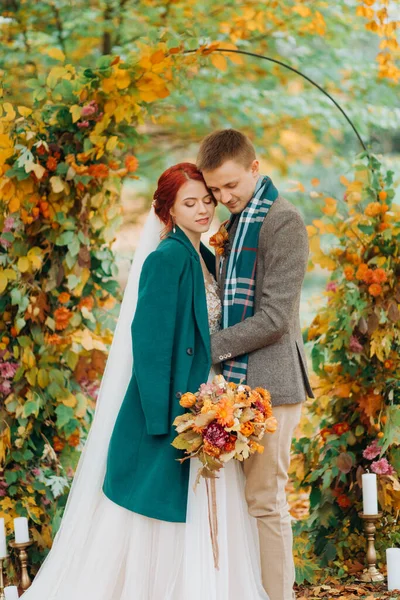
[[64, 415]]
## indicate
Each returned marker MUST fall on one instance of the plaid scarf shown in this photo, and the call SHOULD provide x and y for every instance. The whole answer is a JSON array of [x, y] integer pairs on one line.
[[239, 289]]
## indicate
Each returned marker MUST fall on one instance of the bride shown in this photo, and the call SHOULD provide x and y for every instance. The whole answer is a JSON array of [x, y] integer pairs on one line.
[[133, 527]]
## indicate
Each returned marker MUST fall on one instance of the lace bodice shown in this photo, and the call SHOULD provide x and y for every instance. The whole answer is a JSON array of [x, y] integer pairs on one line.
[[214, 307]]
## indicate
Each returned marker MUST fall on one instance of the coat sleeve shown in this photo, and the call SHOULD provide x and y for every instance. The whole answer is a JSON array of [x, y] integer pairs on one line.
[[281, 287], [153, 332]]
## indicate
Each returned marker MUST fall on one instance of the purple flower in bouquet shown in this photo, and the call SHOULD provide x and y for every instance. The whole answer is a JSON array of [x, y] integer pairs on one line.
[[83, 124], [372, 451], [331, 286], [8, 369], [216, 435], [355, 345], [382, 467]]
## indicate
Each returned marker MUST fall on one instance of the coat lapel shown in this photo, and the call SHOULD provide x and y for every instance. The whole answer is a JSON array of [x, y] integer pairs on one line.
[[199, 291]]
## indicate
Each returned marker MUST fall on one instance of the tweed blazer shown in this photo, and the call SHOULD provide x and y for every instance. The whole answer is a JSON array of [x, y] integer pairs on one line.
[[272, 336]]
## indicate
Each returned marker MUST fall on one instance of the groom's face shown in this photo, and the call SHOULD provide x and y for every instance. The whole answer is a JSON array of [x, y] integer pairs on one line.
[[233, 184]]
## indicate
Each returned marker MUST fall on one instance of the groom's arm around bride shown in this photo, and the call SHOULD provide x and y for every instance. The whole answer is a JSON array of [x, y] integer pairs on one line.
[[266, 339]]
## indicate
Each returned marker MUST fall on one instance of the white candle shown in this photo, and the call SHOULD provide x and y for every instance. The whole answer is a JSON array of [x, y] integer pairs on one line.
[[3, 543], [11, 592], [370, 494], [21, 530], [393, 568]]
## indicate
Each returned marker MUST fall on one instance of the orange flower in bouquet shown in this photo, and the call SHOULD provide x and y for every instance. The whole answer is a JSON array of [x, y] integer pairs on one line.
[[224, 421]]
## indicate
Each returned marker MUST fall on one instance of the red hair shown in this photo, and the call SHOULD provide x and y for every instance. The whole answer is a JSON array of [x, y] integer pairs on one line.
[[168, 186]]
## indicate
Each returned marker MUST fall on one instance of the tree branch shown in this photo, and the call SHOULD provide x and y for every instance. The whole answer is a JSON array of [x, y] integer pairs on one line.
[[59, 25]]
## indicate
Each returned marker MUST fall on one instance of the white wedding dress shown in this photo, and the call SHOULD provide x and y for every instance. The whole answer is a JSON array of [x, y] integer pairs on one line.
[[127, 556]]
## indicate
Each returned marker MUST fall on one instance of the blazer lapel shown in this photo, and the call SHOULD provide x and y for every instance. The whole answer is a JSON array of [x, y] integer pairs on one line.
[[199, 290]]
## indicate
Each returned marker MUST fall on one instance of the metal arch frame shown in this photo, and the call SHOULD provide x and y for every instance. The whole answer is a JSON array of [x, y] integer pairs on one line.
[[286, 66]]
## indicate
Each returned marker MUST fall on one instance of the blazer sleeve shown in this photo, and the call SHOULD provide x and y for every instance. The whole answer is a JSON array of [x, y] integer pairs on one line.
[[283, 278], [153, 332]]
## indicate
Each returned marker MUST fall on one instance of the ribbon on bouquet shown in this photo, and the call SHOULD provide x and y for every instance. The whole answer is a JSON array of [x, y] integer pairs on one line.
[[213, 518]]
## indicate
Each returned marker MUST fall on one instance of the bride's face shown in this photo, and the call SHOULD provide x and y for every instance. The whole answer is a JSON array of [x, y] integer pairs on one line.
[[194, 207]]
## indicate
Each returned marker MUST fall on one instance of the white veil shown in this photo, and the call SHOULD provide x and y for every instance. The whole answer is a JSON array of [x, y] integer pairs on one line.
[[87, 484]]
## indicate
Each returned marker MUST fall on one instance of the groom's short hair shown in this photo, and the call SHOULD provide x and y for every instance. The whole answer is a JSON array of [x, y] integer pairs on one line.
[[226, 144]]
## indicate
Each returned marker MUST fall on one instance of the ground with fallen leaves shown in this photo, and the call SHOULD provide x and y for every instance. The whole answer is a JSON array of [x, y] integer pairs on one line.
[[332, 589], [354, 591]]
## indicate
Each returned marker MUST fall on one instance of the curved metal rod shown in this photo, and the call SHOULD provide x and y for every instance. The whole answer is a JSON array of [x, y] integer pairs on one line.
[[282, 64]]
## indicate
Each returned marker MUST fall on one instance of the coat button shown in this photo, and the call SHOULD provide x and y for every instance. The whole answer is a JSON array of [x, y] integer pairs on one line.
[[189, 351], [178, 395]]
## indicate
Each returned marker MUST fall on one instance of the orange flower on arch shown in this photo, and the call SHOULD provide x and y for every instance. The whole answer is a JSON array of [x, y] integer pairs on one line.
[[62, 316], [375, 289]]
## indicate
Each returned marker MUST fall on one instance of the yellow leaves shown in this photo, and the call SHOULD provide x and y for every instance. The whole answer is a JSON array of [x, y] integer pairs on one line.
[[24, 111], [32, 261], [5, 444], [89, 340], [151, 87], [111, 143], [297, 186], [364, 11], [10, 112], [76, 112], [57, 73], [55, 53], [219, 61], [81, 408], [324, 261], [70, 401], [23, 264], [39, 171], [330, 207], [311, 230], [43, 379], [31, 376], [237, 59], [300, 9], [28, 358], [3, 282], [119, 80], [57, 184], [35, 256], [6, 148], [381, 344]]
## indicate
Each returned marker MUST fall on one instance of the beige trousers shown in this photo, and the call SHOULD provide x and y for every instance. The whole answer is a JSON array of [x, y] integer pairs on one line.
[[266, 478]]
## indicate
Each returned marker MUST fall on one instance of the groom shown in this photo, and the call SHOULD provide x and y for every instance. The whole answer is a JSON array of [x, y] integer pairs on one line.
[[261, 272]]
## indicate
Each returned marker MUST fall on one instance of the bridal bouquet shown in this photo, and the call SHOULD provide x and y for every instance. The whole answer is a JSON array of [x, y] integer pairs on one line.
[[225, 421]]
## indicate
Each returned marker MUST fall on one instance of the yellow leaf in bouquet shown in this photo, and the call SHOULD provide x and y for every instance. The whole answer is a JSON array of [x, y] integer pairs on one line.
[[204, 419], [183, 422]]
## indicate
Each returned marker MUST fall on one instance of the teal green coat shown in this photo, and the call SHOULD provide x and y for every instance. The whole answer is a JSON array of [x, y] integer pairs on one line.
[[171, 350]]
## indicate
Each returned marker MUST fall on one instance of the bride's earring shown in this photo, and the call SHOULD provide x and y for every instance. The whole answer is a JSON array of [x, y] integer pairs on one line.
[[173, 228]]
